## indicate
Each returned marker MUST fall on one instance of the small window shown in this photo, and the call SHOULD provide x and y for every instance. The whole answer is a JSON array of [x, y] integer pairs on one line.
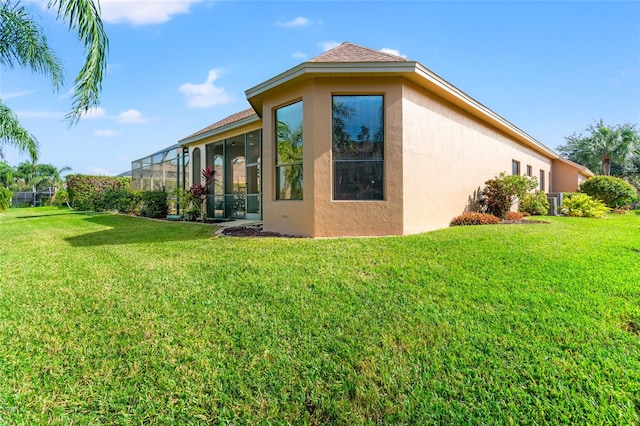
[[542, 180], [529, 170], [515, 167]]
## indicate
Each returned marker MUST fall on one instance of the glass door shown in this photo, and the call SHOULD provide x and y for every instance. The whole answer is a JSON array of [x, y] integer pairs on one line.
[[254, 192]]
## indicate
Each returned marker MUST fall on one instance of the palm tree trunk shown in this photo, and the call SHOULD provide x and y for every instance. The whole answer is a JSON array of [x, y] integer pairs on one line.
[[606, 165]]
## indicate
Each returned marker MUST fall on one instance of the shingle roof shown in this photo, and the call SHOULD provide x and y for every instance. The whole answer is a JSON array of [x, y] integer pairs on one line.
[[349, 52], [225, 121]]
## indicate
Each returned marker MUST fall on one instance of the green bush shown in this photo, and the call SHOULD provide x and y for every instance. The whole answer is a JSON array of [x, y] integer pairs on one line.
[[124, 200], [5, 198], [474, 218], [535, 203], [501, 192], [86, 192], [582, 205], [611, 190], [60, 198], [154, 204]]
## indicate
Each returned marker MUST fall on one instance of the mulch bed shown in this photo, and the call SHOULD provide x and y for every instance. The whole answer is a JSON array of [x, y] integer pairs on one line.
[[252, 231]]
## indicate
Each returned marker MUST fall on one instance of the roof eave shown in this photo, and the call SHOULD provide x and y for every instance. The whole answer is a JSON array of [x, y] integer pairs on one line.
[[307, 70], [218, 130], [447, 91]]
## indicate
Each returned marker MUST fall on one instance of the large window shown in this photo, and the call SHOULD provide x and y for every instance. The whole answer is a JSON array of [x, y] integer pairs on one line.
[[358, 147], [289, 152]]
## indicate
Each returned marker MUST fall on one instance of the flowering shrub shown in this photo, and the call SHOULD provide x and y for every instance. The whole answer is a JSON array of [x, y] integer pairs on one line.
[[514, 216], [473, 218], [501, 192], [582, 205]]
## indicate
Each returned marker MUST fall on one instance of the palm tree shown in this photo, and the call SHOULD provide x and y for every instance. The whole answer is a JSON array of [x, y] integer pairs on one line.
[[604, 145], [23, 44]]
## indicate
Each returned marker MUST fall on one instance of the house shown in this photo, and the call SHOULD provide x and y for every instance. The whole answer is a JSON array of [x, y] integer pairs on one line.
[[357, 142]]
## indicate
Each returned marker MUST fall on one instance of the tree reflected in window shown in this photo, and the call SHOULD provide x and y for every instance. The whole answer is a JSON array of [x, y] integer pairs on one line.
[[289, 152], [358, 147]]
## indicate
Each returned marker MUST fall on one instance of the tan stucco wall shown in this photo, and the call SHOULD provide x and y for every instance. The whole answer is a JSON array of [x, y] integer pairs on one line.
[[317, 214], [566, 178], [288, 216], [447, 157]]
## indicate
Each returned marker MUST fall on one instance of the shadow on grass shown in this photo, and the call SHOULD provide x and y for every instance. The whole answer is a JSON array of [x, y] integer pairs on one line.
[[35, 216], [131, 230]]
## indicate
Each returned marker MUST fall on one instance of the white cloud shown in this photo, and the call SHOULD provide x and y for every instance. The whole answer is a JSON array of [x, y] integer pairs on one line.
[[92, 113], [141, 12], [11, 95], [328, 45], [298, 22], [132, 116], [299, 55], [105, 133], [98, 171], [206, 94], [393, 52]]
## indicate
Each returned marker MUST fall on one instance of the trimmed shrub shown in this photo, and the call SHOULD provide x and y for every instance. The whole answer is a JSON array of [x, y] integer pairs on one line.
[[611, 190], [86, 192], [501, 192], [582, 205], [124, 200], [5, 198], [474, 218], [154, 204], [535, 204], [514, 216]]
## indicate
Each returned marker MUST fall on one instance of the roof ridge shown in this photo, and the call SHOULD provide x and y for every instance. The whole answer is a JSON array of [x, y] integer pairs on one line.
[[354, 53]]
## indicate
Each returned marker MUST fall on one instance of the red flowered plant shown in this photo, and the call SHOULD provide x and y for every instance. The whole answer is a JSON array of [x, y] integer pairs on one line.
[[198, 192]]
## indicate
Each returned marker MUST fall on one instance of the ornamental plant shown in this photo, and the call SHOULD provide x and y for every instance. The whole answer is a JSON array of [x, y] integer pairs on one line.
[[611, 190], [474, 218], [503, 191], [5, 198], [197, 194], [535, 203], [582, 205]]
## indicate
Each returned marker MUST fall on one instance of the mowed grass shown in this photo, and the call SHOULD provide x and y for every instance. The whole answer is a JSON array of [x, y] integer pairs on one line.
[[116, 319]]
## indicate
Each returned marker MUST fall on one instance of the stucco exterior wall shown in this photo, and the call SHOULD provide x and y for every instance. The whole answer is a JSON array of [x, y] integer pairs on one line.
[[293, 217], [447, 157], [318, 215], [566, 178]]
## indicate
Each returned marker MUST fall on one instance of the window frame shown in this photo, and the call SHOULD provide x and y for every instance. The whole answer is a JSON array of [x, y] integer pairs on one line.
[[515, 167], [542, 179], [343, 160], [282, 165]]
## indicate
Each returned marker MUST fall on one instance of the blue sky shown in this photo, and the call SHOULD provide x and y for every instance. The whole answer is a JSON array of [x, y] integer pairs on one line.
[[550, 68]]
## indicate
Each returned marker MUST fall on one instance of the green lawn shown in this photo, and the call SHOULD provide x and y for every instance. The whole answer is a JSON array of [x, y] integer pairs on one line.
[[116, 319]]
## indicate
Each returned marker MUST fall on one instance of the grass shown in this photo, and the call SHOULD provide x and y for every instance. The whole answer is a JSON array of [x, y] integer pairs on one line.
[[115, 319]]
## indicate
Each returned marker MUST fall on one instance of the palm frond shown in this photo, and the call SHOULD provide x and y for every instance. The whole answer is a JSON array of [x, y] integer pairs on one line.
[[12, 133], [23, 43], [83, 17]]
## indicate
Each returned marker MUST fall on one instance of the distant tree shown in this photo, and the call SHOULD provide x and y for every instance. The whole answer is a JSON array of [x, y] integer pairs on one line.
[[23, 44], [38, 176], [6, 175], [604, 148]]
